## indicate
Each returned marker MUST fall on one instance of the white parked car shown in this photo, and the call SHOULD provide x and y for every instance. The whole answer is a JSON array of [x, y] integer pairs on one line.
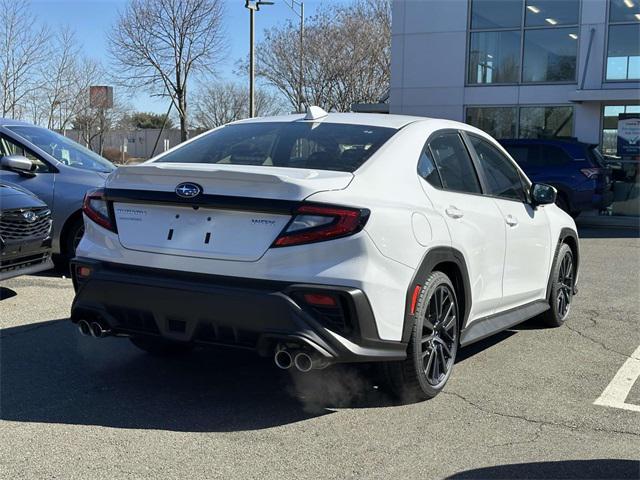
[[326, 238]]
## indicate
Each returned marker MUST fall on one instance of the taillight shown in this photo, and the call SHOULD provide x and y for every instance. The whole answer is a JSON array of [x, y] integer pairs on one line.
[[591, 172], [316, 223], [97, 209]]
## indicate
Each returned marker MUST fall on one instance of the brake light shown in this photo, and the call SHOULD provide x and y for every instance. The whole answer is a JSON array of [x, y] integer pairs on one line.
[[590, 172], [316, 223], [95, 207]]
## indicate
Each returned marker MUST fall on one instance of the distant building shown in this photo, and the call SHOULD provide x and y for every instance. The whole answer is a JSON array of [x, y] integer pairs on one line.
[[519, 68]]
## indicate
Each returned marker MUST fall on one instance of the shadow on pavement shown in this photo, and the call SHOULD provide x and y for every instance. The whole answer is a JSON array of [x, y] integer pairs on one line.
[[50, 374], [566, 469], [6, 293], [608, 233]]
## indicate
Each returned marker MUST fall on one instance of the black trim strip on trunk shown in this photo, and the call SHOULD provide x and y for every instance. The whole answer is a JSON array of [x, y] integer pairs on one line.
[[226, 202]]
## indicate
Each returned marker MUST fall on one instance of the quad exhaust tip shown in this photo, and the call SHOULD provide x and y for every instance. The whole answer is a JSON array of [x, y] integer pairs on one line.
[[303, 362], [84, 328], [283, 359], [93, 329]]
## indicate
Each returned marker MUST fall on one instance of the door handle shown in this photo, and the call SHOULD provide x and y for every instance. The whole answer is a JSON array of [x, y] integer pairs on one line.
[[511, 220], [454, 212]]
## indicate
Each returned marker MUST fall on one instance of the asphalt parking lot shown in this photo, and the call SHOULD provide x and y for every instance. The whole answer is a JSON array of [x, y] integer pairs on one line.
[[519, 405]]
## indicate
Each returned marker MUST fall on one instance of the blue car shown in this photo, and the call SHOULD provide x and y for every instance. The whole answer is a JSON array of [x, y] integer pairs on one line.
[[577, 170]]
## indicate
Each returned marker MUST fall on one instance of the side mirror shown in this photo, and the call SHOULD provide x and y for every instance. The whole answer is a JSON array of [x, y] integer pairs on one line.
[[19, 164], [543, 194]]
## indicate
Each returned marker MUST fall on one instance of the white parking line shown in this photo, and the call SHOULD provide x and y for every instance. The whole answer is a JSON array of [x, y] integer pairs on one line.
[[615, 394]]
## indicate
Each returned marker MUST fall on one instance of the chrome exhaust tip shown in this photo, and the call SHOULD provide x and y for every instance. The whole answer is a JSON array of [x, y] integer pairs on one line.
[[283, 359], [303, 362], [84, 328], [97, 331]]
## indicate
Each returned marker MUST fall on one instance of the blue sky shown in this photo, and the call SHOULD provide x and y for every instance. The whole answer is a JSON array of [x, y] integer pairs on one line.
[[92, 19]]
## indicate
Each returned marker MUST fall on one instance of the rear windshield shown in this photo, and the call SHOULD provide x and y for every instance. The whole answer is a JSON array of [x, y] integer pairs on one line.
[[320, 146]]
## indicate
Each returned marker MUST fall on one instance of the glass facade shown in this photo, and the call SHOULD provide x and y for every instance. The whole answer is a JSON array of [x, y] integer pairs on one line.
[[623, 44], [513, 41], [523, 122], [545, 122], [494, 57], [609, 143]]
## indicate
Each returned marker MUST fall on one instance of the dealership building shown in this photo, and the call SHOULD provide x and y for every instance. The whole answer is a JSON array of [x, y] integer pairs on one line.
[[519, 68]]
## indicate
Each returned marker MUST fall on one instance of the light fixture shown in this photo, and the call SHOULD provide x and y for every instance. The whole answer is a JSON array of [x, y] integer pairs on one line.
[[637, 15], [533, 8], [629, 3], [574, 36], [489, 55], [552, 21]]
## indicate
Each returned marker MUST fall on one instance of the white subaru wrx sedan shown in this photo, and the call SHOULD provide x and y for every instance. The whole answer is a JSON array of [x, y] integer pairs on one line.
[[325, 238]]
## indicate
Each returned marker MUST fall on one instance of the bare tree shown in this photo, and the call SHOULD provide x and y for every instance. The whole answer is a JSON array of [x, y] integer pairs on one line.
[[346, 55], [158, 44], [23, 49], [95, 123], [219, 103]]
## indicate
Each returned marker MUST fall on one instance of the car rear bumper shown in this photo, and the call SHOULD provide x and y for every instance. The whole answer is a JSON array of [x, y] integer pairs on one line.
[[230, 311]]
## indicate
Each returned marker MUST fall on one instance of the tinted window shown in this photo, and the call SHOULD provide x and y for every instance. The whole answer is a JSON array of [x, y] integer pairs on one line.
[[551, 12], [454, 164], [323, 146], [503, 179], [623, 54], [494, 57], [499, 122], [427, 168], [550, 155], [624, 11], [550, 55], [496, 14], [546, 122], [523, 155]]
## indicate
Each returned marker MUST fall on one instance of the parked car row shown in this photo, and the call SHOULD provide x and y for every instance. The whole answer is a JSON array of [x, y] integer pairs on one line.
[[56, 170]]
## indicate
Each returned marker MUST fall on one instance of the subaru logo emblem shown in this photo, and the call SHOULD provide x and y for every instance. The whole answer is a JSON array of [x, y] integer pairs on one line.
[[188, 190], [30, 216]]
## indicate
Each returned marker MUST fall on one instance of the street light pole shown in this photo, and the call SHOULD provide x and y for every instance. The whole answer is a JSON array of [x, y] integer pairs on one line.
[[253, 6], [252, 71]]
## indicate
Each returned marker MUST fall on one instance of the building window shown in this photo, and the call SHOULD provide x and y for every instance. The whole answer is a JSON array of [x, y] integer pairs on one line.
[[545, 122], [503, 50], [523, 122], [550, 56], [494, 57], [499, 122], [623, 45], [488, 14], [609, 145]]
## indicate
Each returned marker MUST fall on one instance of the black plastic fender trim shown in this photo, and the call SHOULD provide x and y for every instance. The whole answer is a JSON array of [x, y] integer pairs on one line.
[[432, 258]]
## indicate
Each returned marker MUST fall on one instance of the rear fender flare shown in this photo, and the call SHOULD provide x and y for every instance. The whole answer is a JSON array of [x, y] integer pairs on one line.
[[430, 260]]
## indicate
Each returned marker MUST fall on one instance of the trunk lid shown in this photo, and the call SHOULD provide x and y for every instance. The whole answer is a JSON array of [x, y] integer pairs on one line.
[[238, 215]]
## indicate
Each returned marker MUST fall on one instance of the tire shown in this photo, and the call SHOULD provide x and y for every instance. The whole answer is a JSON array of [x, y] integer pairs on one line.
[[561, 295], [73, 234], [432, 349], [160, 347]]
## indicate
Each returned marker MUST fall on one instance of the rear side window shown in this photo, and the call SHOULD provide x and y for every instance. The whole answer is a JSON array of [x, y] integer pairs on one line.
[[320, 146], [456, 170], [503, 179], [427, 168], [551, 155]]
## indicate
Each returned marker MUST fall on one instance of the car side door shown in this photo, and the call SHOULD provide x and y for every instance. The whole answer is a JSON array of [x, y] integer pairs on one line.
[[475, 223], [528, 235], [42, 183]]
